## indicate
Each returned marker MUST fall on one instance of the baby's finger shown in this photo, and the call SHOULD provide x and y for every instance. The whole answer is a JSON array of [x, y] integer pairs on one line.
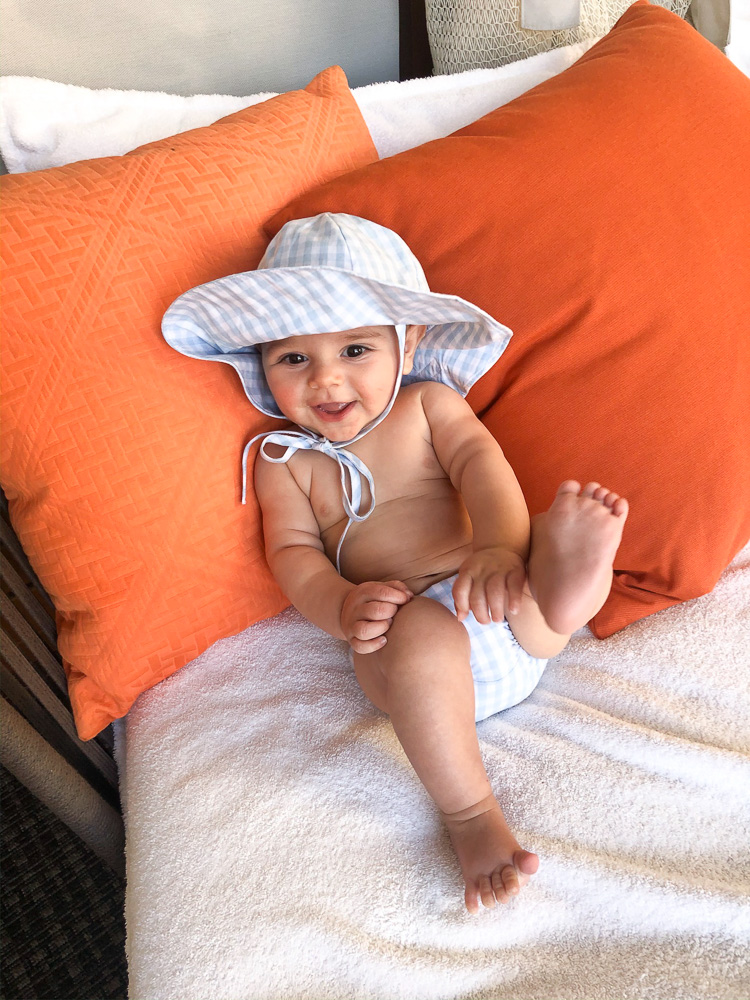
[[368, 645], [365, 630], [461, 591], [515, 582], [478, 602], [394, 591], [376, 611], [495, 591]]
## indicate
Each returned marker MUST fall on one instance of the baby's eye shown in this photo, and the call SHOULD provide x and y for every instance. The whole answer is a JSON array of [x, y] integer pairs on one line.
[[355, 350], [292, 359]]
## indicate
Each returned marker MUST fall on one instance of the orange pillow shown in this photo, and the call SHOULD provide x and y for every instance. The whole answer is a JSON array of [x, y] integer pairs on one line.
[[604, 216], [120, 457]]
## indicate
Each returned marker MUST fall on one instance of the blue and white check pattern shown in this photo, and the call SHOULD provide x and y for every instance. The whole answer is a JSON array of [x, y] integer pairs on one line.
[[504, 673]]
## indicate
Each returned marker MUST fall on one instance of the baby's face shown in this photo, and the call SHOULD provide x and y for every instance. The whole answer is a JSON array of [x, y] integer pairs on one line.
[[333, 383]]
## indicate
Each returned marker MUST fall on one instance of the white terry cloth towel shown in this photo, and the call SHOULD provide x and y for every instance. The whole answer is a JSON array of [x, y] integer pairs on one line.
[[48, 124], [280, 847]]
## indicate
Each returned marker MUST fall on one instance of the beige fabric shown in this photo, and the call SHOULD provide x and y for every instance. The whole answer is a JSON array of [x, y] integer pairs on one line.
[[194, 47], [476, 34], [711, 18], [61, 789]]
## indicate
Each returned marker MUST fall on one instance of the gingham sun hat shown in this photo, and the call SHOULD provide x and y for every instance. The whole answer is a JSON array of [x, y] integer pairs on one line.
[[325, 274]]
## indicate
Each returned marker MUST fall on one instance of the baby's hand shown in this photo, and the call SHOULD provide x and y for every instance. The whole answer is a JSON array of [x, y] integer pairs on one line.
[[490, 583], [367, 613]]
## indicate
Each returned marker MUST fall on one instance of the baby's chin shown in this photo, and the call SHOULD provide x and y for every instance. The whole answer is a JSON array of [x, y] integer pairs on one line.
[[338, 436], [341, 431]]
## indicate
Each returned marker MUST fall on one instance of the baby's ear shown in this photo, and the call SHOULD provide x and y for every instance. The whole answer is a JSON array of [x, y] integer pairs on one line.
[[411, 342]]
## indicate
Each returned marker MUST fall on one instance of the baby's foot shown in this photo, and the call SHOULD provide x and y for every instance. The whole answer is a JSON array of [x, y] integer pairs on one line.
[[573, 547], [493, 864]]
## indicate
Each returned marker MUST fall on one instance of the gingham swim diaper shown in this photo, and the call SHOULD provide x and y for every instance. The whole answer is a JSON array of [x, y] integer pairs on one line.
[[504, 673]]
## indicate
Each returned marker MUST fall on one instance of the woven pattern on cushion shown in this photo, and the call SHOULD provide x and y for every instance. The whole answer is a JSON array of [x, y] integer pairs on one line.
[[604, 217], [465, 35], [120, 456]]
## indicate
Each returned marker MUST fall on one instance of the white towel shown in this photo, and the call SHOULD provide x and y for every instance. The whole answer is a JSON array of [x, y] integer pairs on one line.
[[279, 844], [47, 124]]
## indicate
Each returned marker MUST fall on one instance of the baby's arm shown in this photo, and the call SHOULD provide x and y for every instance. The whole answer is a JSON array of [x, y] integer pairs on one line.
[[361, 614], [491, 580]]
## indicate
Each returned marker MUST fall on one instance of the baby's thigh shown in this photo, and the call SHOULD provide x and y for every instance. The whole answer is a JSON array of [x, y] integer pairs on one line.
[[424, 641]]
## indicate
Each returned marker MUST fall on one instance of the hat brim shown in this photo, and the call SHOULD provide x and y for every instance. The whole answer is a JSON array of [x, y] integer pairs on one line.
[[226, 319]]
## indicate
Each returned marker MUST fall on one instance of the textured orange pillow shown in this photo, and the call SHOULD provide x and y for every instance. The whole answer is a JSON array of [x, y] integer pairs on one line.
[[120, 457], [604, 216]]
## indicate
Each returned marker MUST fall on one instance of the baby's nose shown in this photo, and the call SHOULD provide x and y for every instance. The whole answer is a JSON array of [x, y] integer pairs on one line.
[[324, 376]]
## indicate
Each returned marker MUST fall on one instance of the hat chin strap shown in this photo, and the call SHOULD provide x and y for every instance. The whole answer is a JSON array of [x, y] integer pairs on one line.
[[352, 469]]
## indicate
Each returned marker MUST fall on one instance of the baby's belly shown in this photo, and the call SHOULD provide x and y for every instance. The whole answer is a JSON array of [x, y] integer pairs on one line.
[[416, 540]]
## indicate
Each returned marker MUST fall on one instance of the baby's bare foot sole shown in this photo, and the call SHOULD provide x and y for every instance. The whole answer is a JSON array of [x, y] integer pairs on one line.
[[494, 866], [573, 549]]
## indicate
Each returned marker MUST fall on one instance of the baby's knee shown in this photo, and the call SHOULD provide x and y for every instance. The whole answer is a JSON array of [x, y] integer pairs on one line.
[[424, 644], [424, 624]]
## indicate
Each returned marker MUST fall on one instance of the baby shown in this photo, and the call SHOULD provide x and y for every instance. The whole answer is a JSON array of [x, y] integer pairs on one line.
[[391, 517]]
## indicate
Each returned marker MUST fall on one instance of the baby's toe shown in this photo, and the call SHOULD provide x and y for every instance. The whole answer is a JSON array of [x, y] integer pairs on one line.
[[486, 891], [569, 486], [498, 887], [526, 863], [620, 507], [590, 489], [510, 880], [606, 497], [471, 898], [600, 494]]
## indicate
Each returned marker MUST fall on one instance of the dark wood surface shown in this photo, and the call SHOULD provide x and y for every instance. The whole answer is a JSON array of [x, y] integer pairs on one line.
[[32, 677]]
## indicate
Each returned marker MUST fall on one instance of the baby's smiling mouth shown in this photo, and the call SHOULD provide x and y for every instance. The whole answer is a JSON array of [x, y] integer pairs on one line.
[[333, 411]]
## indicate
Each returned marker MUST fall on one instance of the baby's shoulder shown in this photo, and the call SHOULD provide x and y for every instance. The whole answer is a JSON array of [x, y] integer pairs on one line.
[[434, 398], [423, 405], [419, 392], [409, 406], [275, 476]]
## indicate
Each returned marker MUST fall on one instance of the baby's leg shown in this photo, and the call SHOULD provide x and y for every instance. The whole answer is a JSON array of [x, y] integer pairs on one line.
[[573, 547], [422, 679]]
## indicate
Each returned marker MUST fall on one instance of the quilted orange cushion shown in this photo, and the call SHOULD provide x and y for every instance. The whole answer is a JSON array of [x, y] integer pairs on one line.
[[120, 457], [604, 216]]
